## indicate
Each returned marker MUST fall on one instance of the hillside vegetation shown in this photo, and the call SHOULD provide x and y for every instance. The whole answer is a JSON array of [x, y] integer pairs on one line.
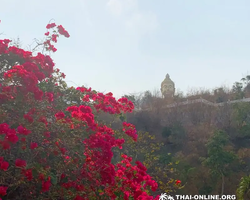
[[211, 143]]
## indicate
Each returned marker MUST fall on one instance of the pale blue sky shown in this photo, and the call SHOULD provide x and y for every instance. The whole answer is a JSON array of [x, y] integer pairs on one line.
[[127, 46]]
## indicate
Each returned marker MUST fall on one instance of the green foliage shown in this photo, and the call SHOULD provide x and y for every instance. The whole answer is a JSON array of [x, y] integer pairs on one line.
[[166, 158], [147, 98], [122, 117], [241, 113], [244, 131], [206, 189], [243, 191], [219, 159], [185, 171], [178, 134], [166, 132], [238, 90]]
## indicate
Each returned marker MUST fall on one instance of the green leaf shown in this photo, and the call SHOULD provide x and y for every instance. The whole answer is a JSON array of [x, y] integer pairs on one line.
[[53, 179], [65, 180], [43, 154], [122, 117]]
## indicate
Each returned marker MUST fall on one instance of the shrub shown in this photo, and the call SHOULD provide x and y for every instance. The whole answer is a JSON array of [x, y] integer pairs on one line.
[[52, 145]]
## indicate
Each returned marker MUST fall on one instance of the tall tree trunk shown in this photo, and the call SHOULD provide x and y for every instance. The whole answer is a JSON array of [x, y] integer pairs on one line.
[[222, 183]]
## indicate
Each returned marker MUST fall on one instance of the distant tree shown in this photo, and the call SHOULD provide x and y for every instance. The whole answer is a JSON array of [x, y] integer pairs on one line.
[[175, 133], [219, 160], [166, 131], [221, 95], [147, 99], [242, 113], [178, 95], [238, 90], [246, 82]]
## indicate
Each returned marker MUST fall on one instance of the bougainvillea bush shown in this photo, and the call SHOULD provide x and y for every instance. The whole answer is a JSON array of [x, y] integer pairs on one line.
[[51, 143], [151, 153]]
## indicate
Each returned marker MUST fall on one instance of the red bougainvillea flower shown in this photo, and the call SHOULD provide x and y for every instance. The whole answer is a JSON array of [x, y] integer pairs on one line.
[[4, 128], [46, 185], [4, 165], [11, 136], [20, 163], [79, 198], [3, 190], [49, 46], [130, 130], [41, 177], [62, 31], [49, 26], [140, 165], [28, 174], [54, 38], [5, 144], [23, 131], [59, 115], [28, 118], [33, 145], [50, 96], [177, 182]]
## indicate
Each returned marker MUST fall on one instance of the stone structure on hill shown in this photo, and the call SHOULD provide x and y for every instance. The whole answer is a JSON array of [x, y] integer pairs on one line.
[[167, 87]]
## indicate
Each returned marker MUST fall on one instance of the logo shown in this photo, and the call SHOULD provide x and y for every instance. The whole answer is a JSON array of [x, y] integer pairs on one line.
[[164, 196]]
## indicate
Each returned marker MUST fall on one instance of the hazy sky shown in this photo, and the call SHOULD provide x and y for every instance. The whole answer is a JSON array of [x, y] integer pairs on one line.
[[127, 46]]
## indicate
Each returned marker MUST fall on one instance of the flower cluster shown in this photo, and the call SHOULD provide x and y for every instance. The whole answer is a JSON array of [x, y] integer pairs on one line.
[[130, 130], [54, 36], [107, 103], [51, 142]]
